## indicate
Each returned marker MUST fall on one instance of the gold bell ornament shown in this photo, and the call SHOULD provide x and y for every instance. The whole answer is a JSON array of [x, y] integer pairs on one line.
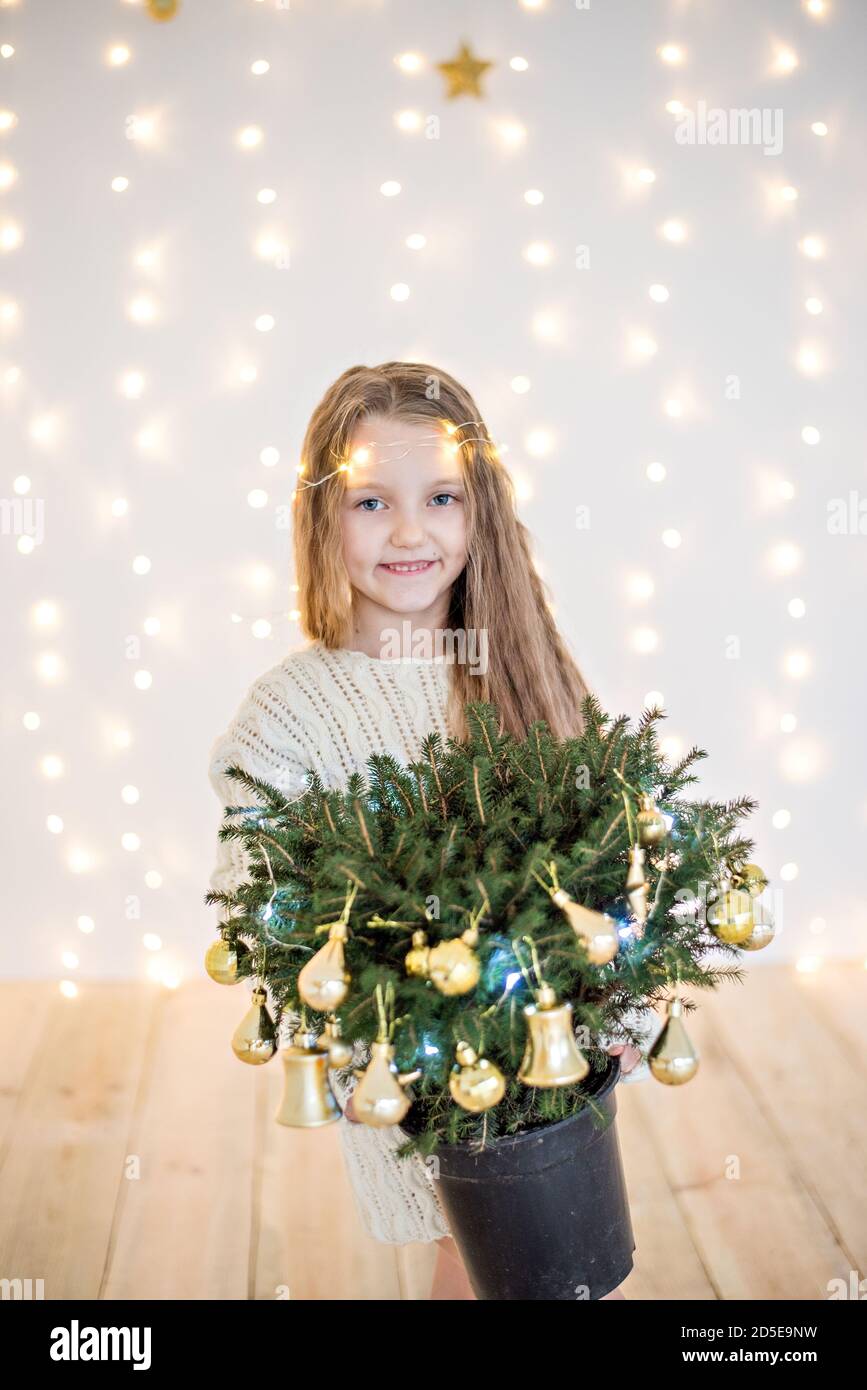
[[636, 887], [255, 1038], [673, 1060], [652, 828], [551, 1056], [595, 930], [730, 916], [475, 1083], [339, 1050], [764, 929], [324, 980], [308, 1100], [221, 960]]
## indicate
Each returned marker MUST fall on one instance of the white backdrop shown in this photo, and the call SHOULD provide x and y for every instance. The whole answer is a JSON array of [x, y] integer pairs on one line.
[[139, 387]]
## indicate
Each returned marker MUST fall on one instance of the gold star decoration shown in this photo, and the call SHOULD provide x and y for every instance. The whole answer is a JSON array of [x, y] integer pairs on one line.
[[463, 74]]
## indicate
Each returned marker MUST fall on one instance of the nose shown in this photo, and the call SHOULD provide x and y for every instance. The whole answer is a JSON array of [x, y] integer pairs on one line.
[[407, 532]]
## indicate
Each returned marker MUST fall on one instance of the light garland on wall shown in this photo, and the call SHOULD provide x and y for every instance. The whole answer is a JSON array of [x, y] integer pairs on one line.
[[464, 73]]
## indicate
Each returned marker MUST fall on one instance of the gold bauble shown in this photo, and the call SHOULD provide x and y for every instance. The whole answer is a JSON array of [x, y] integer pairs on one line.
[[636, 886], [379, 1098], [339, 1050], [324, 980], [596, 930], [308, 1100], [764, 929], [417, 958], [221, 960], [476, 1084], [752, 879], [551, 1056], [730, 916], [162, 9], [453, 966], [673, 1059], [652, 828], [255, 1038]]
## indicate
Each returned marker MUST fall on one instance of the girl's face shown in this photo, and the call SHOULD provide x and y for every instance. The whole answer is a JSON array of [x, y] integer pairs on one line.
[[404, 504]]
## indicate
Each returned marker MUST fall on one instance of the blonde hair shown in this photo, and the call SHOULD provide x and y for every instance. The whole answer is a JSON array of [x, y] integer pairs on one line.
[[530, 674]]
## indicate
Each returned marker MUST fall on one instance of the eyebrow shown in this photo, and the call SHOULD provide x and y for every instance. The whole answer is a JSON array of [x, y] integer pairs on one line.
[[381, 487]]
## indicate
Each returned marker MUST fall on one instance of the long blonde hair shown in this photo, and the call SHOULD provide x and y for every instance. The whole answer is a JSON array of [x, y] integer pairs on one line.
[[530, 674]]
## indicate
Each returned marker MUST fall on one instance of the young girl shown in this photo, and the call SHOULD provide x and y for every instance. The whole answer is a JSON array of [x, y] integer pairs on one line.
[[417, 593]]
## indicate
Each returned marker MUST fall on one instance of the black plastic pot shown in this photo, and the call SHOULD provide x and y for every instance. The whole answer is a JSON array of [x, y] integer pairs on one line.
[[544, 1214]]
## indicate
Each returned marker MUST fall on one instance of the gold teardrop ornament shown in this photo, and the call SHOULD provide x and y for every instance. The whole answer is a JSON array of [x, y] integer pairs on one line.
[[255, 1038], [673, 1059], [596, 930]]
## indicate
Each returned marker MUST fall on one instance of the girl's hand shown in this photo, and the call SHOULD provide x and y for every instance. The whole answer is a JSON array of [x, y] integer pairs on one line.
[[629, 1055], [349, 1112]]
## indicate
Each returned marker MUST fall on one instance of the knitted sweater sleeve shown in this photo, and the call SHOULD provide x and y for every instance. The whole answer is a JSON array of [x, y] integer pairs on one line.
[[394, 1197]]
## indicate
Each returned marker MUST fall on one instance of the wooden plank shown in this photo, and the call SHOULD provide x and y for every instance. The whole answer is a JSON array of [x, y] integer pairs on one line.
[[838, 995], [25, 1006], [311, 1240], [755, 1225], [667, 1264], [183, 1226], [812, 1093], [64, 1157]]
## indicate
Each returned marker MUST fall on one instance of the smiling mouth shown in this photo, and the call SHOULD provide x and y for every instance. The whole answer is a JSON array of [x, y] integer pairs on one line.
[[411, 567]]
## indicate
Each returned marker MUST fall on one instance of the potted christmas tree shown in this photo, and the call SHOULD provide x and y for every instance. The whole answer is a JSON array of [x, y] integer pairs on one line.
[[478, 921]]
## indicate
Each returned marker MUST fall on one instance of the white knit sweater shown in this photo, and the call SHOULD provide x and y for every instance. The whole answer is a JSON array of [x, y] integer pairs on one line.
[[329, 710]]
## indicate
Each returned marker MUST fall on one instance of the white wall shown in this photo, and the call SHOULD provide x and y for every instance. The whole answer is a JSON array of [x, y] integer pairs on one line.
[[592, 103]]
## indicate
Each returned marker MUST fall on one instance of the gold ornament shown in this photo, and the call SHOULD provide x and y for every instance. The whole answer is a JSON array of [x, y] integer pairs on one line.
[[673, 1059], [652, 828], [463, 74], [339, 1050], [596, 930], [453, 965], [221, 960], [308, 1100], [764, 929], [417, 959], [379, 1098], [255, 1038], [163, 9], [636, 887], [324, 980], [751, 879], [730, 917], [475, 1083], [551, 1056]]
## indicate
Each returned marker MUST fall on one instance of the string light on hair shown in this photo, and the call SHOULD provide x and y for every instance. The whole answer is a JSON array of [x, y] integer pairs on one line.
[[361, 454]]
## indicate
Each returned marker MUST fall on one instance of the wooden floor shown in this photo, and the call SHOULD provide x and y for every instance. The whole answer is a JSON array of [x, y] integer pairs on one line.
[[139, 1159]]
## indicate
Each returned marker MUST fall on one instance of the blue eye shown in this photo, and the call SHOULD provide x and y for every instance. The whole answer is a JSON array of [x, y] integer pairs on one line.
[[445, 494], [365, 500]]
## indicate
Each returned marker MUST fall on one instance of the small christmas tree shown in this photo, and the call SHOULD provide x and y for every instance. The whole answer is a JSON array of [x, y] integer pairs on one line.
[[484, 915]]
